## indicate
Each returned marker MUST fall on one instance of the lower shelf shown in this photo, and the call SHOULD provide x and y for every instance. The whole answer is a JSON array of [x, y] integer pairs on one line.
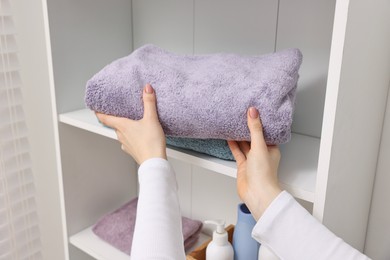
[[297, 170], [92, 245]]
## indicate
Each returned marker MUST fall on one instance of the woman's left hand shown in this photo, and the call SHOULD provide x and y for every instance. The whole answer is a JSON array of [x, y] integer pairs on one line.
[[142, 139]]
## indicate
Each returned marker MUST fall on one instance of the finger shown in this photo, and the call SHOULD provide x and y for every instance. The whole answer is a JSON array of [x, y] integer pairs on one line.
[[236, 151], [111, 121], [244, 146], [149, 97], [256, 129]]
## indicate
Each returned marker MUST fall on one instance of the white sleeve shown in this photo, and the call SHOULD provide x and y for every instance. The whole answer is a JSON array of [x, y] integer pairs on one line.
[[158, 230], [293, 233]]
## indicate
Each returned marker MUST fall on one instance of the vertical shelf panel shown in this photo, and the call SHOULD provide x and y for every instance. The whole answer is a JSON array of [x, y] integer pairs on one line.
[[33, 53], [244, 27], [353, 125], [307, 25], [167, 24], [378, 233]]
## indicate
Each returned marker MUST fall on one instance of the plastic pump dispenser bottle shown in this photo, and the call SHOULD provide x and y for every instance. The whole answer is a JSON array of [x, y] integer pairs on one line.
[[219, 248]]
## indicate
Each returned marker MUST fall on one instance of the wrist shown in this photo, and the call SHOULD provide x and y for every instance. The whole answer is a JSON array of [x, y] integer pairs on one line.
[[153, 161], [158, 156], [155, 153], [262, 200]]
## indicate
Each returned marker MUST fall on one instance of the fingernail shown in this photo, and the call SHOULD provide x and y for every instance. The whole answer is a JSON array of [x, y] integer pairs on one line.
[[253, 113], [148, 89]]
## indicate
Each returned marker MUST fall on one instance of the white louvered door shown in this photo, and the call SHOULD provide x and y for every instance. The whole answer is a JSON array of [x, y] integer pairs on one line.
[[19, 226]]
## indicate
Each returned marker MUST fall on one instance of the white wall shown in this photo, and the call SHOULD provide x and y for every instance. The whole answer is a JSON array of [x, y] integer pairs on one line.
[[247, 27], [378, 234]]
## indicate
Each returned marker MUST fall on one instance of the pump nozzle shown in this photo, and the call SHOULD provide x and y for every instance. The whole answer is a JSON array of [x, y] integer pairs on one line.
[[219, 247], [219, 223]]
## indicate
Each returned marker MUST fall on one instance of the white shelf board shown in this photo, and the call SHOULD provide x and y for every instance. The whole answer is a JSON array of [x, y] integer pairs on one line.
[[92, 245], [297, 170]]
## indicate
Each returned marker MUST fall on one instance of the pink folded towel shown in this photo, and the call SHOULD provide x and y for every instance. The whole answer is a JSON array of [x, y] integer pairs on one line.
[[117, 228]]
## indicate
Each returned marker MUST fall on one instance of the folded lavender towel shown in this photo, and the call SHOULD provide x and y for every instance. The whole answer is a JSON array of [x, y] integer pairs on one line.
[[117, 228], [202, 96]]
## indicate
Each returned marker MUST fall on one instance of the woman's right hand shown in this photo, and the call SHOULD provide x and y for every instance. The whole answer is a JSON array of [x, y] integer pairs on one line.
[[257, 167], [142, 139]]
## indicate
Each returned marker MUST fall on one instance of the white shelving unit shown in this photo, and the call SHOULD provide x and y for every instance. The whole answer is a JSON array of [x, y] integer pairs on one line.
[[297, 174], [297, 170], [82, 175]]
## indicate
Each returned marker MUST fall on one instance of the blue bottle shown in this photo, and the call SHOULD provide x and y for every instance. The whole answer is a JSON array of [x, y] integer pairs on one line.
[[245, 247]]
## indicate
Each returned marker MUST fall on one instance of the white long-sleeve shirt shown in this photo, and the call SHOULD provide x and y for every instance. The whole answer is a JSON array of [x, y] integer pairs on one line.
[[158, 229], [285, 227], [293, 233]]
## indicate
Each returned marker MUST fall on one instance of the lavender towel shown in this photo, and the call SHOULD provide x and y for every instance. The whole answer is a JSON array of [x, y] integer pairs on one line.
[[117, 228], [202, 96]]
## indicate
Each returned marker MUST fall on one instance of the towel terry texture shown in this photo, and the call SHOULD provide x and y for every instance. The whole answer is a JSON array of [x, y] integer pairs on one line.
[[202, 96], [117, 228], [215, 147]]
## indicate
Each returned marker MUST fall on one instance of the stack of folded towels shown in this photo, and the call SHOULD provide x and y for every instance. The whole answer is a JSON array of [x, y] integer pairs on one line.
[[117, 228], [202, 99]]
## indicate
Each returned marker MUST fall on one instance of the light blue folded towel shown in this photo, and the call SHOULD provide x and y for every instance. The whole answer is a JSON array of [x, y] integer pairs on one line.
[[215, 147]]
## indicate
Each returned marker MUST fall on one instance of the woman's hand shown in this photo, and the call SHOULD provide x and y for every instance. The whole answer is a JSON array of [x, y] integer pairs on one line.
[[257, 167], [142, 139]]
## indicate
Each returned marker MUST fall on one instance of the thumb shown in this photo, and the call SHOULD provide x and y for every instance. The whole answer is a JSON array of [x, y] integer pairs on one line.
[[256, 129], [149, 97], [110, 121]]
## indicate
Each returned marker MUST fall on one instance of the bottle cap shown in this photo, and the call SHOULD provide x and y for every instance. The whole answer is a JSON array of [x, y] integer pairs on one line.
[[219, 223]]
